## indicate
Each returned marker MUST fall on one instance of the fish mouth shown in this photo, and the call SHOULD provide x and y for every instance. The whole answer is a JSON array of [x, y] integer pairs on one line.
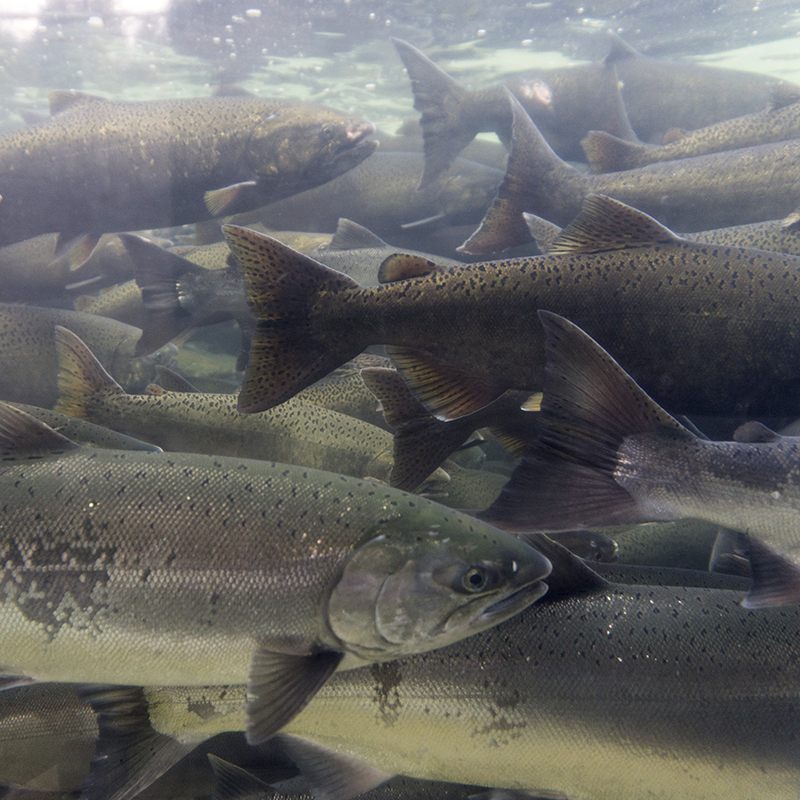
[[356, 146], [513, 603]]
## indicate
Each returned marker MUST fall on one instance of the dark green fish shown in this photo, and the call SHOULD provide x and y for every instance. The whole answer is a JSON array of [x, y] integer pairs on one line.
[[781, 121], [180, 161], [706, 329], [780, 235], [626, 93], [608, 454], [174, 568], [689, 194]]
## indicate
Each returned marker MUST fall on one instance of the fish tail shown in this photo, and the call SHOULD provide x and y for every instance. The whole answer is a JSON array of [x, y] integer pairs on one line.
[[82, 380], [130, 755], [590, 405], [534, 173], [445, 106], [607, 153], [292, 345], [421, 442], [158, 274]]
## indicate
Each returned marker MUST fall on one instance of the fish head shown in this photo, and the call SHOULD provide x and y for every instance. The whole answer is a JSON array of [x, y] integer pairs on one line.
[[429, 578], [314, 146]]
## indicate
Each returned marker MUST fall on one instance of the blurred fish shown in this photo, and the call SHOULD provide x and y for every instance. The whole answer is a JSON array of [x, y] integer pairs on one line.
[[381, 194], [28, 354], [633, 284], [179, 161], [689, 193], [626, 92], [122, 302], [607, 453], [780, 235], [781, 121], [298, 432], [174, 568]]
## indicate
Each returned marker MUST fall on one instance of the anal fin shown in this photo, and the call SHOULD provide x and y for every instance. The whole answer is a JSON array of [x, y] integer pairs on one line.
[[446, 391], [280, 686]]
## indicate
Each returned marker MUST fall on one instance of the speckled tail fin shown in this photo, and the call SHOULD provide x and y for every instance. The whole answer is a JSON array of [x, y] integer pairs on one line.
[[447, 126], [130, 754], [421, 442], [533, 172], [82, 380], [590, 405], [290, 348]]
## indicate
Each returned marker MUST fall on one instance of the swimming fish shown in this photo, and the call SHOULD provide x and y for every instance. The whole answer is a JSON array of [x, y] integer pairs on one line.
[[179, 160], [174, 568], [607, 453]]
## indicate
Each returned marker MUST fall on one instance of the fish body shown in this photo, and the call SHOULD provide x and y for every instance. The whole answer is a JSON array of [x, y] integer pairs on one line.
[[381, 194], [62, 175], [299, 432], [606, 153], [717, 324], [122, 567], [645, 674], [617, 456], [626, 95], [780, 235], [688, 194]]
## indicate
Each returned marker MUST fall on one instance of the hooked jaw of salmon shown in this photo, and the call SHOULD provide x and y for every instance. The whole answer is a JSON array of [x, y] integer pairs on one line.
[[409, 591]]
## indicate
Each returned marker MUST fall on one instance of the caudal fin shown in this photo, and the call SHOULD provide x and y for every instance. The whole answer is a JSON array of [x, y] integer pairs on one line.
[[421, 442], [291, 347], [82, 380], [607, 153], [534, 176], [158, 274], [590, 406], [447, 126]]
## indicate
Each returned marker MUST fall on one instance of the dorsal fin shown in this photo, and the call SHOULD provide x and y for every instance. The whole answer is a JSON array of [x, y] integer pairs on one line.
[[755, 433], [171, 381], [401, 266], [782, 95], [619, 49], [352, 236], [64, 99], [544, 232], [607, 224], [24, 436]]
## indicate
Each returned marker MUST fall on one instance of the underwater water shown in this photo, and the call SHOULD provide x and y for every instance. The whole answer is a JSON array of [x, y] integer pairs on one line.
[[399, 399]]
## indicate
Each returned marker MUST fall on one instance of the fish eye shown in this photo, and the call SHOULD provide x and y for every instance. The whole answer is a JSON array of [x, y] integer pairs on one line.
[[327, 131], [475, 579]]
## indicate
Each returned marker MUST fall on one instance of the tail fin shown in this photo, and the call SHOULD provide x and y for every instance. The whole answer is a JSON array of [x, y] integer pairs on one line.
[[130, 754], [157, 273], [447, 126], [421, 442], [590, 406], [82, 380], [534, 175], [544, 233], [290, 349], [607, 153]]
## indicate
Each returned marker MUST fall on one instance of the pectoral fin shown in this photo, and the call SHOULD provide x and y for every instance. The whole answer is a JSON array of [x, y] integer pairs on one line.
[[224, 200], [332, 776], [280, 686]]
